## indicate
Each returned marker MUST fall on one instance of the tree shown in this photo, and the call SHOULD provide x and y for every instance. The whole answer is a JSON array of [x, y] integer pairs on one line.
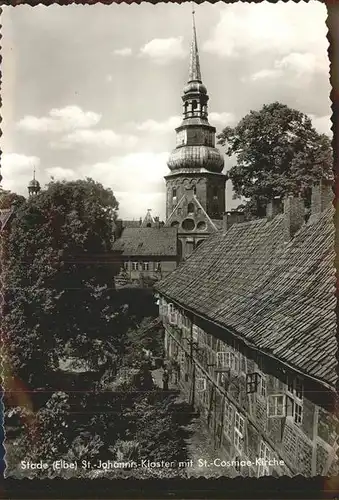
[[58, 288], [278, 152], [8, 199]]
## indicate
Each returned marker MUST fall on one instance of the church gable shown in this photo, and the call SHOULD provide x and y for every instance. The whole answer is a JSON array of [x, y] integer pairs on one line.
[[189, 216]]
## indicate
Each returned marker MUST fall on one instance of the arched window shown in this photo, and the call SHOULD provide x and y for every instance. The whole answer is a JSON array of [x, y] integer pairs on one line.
[[194, 189], [194, 105], [174, 193], [186, 107], [190, 208]]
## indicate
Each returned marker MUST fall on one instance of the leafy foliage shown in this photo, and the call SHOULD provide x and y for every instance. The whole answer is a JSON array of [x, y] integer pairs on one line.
[[147, 336], [57, 288], [9, 199], [47, 432], [278, 152]]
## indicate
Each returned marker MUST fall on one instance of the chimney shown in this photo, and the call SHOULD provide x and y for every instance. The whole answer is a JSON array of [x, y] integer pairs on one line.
[[322, 196], [294, 211], [232, 217], [274, 208]]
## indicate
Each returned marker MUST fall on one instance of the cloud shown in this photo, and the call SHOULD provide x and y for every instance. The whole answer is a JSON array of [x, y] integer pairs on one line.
[[141, 203], [221, 118], [61, 173], [60, 120], [134, 172], [159, 127], [137, 180], [164, 50], [293, 66], [274, 28], [322, 124], [125, 52], [13, 164], [97, 138], [172, 122]]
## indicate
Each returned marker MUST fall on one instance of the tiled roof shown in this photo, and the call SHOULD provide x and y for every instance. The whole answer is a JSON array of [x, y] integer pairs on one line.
[[147, 241], [131, 223], [218, 223], [278, 296]]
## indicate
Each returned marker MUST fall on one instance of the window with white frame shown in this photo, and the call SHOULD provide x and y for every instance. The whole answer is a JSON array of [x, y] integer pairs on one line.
[[172, 314], [294, 410], [239, 430], [252, 382], [264, 456], [262, 386], [295, 387], [223, 379], [201, 384], [298, 413], [164, 307], [135, 266], [276, 406], [234, 362], [223, 359], [185, 323], [295, 392], [195, 333], [242, 363], [228, 420], [145, 266]]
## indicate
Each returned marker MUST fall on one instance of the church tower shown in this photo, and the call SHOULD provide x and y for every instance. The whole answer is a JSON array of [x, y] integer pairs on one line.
[[33, 186], [195, 188]]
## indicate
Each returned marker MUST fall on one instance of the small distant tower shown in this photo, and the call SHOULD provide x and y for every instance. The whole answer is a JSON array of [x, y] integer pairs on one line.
[[148, 220], [33, 186]]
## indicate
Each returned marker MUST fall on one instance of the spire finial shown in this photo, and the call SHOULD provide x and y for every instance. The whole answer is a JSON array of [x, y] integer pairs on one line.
[[34, 173], [194, 73]]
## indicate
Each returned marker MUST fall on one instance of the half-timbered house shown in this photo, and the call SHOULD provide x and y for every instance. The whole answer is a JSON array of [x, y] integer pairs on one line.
[[250, 330]]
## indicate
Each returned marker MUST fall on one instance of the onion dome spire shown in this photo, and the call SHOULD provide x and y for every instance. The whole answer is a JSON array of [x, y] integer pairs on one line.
[[195, 136], [34, 185]]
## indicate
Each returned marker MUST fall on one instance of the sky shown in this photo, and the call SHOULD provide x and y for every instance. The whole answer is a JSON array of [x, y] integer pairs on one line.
[[95, 91]]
